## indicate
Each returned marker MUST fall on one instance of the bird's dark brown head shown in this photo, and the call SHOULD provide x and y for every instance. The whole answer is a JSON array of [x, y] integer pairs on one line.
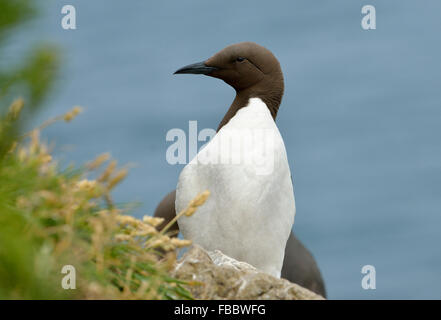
[[252, 70]]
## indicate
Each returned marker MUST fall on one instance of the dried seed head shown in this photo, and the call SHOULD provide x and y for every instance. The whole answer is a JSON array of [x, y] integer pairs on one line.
[[46, 158], [77, 110], [15, 108], [179, 243], [122, 237], [35, 141], [189, 211], [120, 175], [86, 185], [98, 161], [123, 219], [201, 198], [153, 221], [108, 171], [13, 147], [161, 241], [69, 116], [145, 230], [22, 154]]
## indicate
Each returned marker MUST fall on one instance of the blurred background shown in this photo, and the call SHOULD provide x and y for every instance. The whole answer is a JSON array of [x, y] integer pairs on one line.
[[360, 117]]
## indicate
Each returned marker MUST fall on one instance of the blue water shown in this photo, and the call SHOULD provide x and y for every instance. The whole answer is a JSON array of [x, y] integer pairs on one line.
[[361, 116]]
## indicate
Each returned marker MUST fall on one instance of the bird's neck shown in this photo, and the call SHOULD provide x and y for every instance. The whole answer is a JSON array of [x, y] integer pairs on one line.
[[242, 98]]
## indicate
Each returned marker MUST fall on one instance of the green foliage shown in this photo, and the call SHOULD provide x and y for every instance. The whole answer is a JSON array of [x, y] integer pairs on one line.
[[23, 257], [13, 12], [34, 76], [50, 218]]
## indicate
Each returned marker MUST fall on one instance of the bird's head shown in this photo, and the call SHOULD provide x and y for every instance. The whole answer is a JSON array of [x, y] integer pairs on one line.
[[243, 66]]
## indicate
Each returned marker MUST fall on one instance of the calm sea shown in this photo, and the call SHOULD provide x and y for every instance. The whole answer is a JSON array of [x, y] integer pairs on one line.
[[361, 116]]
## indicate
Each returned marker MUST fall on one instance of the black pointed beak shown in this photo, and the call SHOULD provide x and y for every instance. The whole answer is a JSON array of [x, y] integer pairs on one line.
[[196, 68]]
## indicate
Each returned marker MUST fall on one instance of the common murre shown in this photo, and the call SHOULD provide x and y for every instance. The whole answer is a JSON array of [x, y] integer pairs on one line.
[[250, 213]]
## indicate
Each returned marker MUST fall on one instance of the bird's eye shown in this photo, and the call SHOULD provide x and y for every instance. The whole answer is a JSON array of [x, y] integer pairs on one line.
[[240, 59]]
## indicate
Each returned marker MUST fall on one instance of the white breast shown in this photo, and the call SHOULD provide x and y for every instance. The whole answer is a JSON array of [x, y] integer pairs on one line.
[[250, 212]]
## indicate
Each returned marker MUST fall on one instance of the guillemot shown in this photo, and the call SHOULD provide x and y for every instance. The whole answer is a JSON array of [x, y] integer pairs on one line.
[[251, 210]]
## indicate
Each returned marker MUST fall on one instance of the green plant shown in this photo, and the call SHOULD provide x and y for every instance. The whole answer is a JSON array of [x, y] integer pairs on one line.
[[51, 218]]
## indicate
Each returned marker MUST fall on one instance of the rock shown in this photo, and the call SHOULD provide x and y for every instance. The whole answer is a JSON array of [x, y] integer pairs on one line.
[[222, 277]]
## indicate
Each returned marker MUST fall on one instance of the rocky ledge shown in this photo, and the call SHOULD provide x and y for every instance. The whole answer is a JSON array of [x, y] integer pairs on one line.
[[217, 276]]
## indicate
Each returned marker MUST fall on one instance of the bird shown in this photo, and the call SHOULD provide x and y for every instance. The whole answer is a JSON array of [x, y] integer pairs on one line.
[[251, 210], [299, 265]]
